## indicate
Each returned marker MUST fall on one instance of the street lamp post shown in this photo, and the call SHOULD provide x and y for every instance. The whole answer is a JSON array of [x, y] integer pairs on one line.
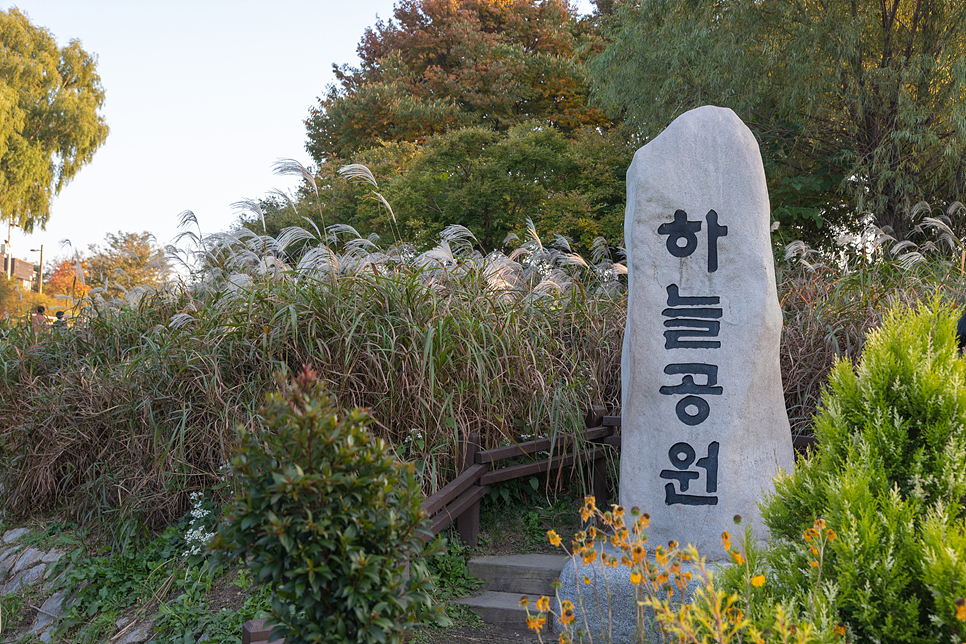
[[40, 271]]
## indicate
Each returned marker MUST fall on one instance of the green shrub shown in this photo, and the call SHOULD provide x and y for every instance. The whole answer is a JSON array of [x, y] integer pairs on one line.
[[888, 480], [329, 519]]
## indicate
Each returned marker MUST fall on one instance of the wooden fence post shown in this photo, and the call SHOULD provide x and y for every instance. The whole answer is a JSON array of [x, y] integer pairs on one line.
[[594, 418], [468, 523]]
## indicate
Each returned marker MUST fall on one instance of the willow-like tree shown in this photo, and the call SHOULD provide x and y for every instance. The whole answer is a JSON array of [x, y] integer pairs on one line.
[[860, 105], [49, 121]]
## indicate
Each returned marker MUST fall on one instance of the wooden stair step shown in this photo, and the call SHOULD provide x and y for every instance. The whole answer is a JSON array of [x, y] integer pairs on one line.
[[500, 609], [531, 575]]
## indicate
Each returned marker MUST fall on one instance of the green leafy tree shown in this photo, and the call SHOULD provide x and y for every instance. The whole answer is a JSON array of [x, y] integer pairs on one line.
[[858, 105], [491, 182], [49, 121], [127, 260]]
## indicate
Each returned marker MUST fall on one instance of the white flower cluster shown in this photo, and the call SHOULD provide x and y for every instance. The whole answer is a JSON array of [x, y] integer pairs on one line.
[[198, 536]]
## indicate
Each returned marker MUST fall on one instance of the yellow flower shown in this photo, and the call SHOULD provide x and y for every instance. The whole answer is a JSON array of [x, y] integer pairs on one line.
[[524, 601], [564, 638], [543, 604], [758, 581], [588, 510], [586, 580], [636, 578], [819, 524], [536, 623], [830, 534], [554, 538], [814, 564], [642, 522], [567, 615], [961, 609], [726, 540], [590, 556], [737, 557], [839, 629], [637, 553]]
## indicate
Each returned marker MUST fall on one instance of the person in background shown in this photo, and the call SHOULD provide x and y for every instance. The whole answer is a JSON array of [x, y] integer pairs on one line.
[[39, 320], [61, 321]]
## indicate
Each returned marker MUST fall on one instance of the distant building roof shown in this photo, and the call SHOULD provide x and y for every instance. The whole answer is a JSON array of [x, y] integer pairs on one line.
[[23, 270]]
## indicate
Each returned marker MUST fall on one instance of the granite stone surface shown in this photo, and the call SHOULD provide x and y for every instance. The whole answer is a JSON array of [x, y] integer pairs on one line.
[[704, 427]]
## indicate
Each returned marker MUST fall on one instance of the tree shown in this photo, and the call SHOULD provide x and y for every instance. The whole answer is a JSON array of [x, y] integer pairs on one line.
[[67, 278], [491, 182], [441, 64], [49, 121], [858, 105], [128, 260], [472, 112]]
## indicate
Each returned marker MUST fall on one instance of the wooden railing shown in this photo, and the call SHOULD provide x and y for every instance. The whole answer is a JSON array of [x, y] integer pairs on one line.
[[459, 501]]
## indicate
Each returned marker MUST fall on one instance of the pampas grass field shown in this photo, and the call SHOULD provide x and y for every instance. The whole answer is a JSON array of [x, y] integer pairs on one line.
[[117, 420]]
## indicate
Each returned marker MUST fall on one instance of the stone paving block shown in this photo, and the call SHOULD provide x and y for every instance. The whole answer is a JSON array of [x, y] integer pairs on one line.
[[27, 577], [12, 535], [7, 559], [30, 557], [52, 609], [52, 555], [138, 634]]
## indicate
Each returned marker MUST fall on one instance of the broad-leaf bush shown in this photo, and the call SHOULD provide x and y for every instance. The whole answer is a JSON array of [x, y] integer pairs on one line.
[[330, 519], [888, 479]]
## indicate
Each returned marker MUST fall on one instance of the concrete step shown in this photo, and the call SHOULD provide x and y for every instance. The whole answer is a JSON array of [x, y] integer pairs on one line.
[[531, 575], [501, 609]]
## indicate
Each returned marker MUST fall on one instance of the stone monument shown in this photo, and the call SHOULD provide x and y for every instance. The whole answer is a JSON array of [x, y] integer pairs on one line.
[[703, 421]]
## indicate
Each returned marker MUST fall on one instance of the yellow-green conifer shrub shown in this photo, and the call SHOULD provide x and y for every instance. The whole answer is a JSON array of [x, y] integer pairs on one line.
[[888, 479], [328, 518]]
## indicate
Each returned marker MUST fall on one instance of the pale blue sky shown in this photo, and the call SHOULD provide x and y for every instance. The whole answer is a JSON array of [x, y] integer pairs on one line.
[[203, 96]]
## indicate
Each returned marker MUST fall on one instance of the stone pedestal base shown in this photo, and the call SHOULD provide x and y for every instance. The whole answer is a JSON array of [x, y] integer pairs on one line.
[[623, 627]]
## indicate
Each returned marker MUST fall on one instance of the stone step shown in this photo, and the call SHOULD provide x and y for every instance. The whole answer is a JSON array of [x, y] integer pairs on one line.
[[500, 609], [531, 575]]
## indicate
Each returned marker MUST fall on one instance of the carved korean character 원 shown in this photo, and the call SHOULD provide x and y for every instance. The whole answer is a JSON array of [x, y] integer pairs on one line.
[[690, 389], [691, 317], [682, 235], [682, 456]]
